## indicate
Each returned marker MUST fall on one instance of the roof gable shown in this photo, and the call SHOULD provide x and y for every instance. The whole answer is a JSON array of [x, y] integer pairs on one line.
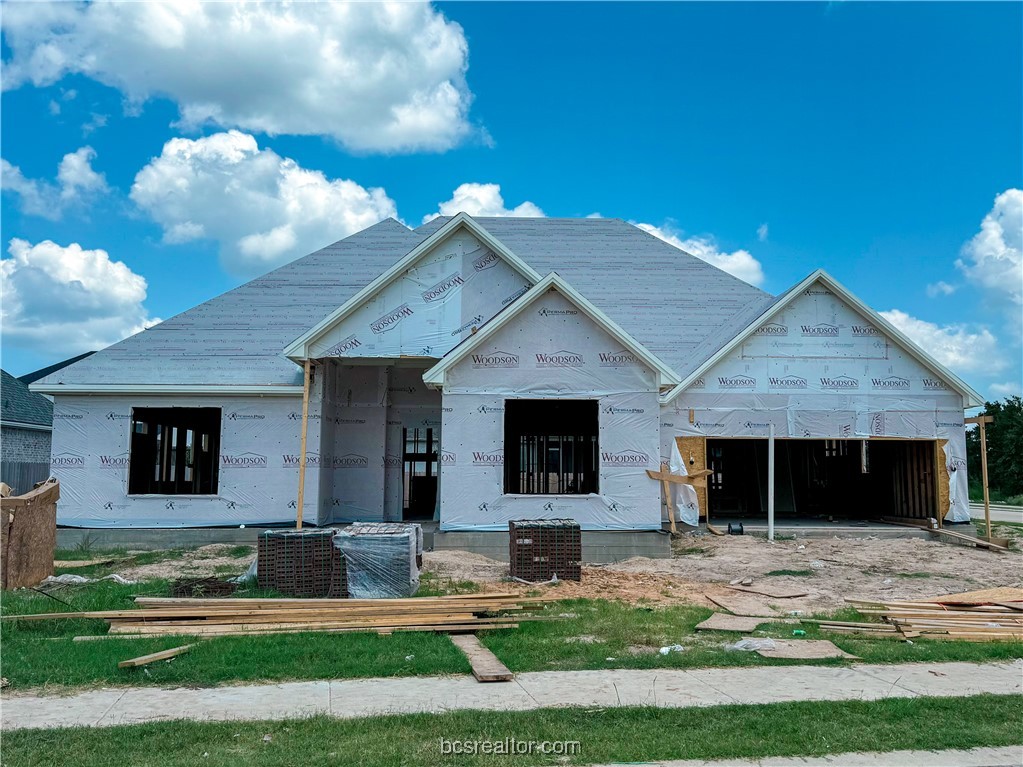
[[678, 306], [425, 304], [831, 334], [435, 376]]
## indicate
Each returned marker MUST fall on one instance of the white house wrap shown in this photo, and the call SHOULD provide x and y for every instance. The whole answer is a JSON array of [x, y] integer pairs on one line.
[[422, 341]]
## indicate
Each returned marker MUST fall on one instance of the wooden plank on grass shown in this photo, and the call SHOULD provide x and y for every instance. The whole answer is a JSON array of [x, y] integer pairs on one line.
[[724, 622], [768, 591], [485, 665], [142, 660]]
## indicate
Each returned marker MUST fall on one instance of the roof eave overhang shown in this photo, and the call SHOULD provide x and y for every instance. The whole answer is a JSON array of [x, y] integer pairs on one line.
[[190, 390]]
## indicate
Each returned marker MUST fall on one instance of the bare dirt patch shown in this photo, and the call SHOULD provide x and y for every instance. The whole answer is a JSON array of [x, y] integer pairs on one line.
[[204, 561], [871, 568]]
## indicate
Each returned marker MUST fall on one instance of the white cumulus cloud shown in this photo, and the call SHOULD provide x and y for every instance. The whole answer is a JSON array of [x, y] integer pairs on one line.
[[993, 258], [1006, 389], [76, 182], [483, 200], [376, 76], [739, 263], [956, 346], [940, 288], [263, 209], [68, 299]]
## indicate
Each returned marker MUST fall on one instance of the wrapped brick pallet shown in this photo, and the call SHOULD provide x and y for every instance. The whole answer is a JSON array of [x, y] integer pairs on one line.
[[382, 559]]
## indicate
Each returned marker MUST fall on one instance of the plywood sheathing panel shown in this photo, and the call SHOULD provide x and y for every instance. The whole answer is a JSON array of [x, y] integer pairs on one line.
[[943, 479], [695, 447], [28, 536]]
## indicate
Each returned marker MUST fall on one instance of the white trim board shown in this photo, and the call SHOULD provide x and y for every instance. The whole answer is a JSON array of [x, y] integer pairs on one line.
[[970, 397], [298, 349], [434, 377], [26, 426], [167, 389]]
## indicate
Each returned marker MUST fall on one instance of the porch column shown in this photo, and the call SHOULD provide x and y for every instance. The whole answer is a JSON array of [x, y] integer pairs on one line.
[[302, 448], [770, 483]]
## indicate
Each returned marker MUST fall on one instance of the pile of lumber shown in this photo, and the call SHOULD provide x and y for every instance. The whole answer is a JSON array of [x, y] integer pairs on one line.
[[239, 617], [978, 616]]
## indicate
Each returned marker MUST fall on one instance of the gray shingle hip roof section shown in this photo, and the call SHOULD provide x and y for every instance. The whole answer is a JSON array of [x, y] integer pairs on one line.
[[678, 306], [237, 338], [19, 405]]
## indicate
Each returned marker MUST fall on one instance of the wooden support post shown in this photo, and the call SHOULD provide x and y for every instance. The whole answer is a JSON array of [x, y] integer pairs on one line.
[[305, 434], [981, 421], [671, 504], [983, 478], [770, 484]]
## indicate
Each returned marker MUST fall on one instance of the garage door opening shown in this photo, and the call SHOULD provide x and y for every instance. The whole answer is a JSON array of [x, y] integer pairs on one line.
[[839, 479]]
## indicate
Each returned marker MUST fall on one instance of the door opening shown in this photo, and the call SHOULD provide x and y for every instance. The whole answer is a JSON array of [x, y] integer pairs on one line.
[[419, 473]]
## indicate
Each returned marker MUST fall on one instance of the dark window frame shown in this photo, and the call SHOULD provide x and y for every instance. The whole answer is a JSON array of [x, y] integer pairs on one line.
[[551, 447], [174, 451]]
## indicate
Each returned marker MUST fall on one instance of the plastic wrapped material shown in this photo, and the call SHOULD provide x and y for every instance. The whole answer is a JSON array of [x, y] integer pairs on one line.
[[752, 645], [381, 559]]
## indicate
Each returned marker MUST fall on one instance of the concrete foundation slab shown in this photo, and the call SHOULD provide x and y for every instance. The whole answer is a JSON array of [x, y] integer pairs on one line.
[[599, 547]]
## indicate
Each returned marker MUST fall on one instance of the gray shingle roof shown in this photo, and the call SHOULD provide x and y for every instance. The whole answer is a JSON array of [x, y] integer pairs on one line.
[[19, 405], [675, 304], [237, 338]]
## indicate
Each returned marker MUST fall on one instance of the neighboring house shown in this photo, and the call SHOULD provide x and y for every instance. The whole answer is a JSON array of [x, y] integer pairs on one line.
[[26, 420], [482, 370]]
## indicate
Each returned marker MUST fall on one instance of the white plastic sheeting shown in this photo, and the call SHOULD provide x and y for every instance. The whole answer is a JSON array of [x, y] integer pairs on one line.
[[550, 350], [381, 559], [683, 496], [430, 308], [258, 475], [820, 370]]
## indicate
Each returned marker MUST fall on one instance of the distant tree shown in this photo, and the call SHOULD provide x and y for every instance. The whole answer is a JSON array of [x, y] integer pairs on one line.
[[1004, 447]]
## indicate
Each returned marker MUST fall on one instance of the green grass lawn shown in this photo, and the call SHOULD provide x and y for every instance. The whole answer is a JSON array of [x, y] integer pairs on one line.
[[588, 634], [604, 735]]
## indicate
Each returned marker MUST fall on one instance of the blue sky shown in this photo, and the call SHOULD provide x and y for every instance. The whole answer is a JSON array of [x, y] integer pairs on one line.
[[881, 142]]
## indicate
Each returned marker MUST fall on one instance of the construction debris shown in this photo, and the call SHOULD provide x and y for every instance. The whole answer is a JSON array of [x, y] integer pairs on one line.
[[202, 587], [162, 616], [984, 616]]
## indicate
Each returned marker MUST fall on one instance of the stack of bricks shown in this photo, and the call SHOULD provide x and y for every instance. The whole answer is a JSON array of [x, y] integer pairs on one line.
[[539, 549], [301, 563]]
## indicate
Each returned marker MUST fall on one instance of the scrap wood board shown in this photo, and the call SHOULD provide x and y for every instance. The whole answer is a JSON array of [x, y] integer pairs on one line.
[[142, 660], [743, 605], [485, 665], [796, 649], [726, 622]]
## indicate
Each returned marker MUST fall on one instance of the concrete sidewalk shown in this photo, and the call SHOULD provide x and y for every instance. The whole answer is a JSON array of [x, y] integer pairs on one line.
[[999, 512], [1007, 756], [668, 688]]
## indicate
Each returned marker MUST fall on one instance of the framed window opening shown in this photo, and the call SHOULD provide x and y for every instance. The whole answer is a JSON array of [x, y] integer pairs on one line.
[[551, 447], [174, 451]]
